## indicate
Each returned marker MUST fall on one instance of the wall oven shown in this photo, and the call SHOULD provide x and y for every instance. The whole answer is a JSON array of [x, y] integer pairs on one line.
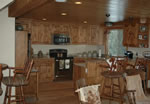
[[63, 64]]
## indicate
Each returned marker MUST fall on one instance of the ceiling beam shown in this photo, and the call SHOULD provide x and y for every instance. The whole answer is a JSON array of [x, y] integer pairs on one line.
[[20, 7]]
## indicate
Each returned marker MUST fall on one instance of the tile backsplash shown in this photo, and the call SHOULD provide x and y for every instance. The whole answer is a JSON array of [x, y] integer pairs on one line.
[[72, 49], [139, 51]]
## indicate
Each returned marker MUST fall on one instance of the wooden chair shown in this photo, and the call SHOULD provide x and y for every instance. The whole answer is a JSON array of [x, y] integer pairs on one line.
[[89, 95], [80, 83], [20, 79], [1, 91], [140, 67], [134, 84]]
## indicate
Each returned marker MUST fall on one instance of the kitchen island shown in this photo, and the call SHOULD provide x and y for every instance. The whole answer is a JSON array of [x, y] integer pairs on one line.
[[90, 69]]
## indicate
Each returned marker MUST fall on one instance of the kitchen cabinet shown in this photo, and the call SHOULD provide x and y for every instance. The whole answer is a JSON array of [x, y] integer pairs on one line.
[[45, 66], [40, 33], [74, 31], [96, 35], [79, 60], [21, 43], [87, 34], [130, 37], [136, 34], [79, 34]]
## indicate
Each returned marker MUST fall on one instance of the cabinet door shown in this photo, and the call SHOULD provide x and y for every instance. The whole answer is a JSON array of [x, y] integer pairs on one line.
[[130, 37], [21, 44], [40, 33], [74, 31], [79, 34], [84, 34], [45, 68], [96, 35]]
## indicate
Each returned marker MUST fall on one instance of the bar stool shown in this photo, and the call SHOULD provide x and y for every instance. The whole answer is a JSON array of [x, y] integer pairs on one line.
[[115, 82]]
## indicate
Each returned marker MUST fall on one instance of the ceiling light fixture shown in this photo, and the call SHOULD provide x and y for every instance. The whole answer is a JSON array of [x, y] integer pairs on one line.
[[63, 14], [84, 21], [61, 0], [44, 19], [78, 2]]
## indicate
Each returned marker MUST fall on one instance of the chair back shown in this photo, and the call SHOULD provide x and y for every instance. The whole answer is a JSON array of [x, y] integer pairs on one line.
[[134, 82], [141, 63], [89, 94], [80, 83], [117, 63], [28, 69], [26, 64]]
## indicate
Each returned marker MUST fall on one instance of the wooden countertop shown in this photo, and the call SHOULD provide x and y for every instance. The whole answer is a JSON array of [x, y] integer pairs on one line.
[[80, 64]]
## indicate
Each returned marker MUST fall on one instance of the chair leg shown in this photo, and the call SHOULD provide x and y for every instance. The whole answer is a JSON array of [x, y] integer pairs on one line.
[[111, 88], [9, 96], [6, 96], [22, 94], [104, 84], [121, 93]]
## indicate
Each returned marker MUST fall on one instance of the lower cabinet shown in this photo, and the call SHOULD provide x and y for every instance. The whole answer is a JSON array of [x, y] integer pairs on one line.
[[45, 66]]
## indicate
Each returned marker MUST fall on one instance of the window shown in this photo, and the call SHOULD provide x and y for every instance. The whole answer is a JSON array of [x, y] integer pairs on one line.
[[115, 46]]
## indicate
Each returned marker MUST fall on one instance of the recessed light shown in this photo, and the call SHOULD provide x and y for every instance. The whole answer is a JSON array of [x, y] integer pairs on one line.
[[84, 21], [44, 19], [63, 14], [61, 0], [78, 2]]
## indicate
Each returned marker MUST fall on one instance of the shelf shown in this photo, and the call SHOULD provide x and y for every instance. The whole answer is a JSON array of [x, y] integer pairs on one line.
[[143, 35]]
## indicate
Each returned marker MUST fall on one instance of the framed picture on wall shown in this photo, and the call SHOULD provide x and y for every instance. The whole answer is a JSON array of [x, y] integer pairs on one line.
[[145, 37], [143, 28], [140, 37]]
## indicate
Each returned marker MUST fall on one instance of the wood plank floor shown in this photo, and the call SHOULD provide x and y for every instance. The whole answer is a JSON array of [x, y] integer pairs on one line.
[[57, 93]]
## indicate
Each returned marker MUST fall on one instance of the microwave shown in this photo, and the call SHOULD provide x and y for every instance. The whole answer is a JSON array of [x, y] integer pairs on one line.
[[61, 39]]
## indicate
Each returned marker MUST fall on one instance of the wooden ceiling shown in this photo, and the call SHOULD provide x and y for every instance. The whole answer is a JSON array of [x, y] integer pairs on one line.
[[92, 11]]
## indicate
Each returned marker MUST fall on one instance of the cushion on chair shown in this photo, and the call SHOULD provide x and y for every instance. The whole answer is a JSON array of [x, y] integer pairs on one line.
[[1, 91], [134, 83], [17, 81], [90, 94]]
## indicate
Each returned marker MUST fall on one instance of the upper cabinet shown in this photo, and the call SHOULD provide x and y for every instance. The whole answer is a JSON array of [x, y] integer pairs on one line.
[[130, 34], [42, 32], [96, 35], [136, 34]]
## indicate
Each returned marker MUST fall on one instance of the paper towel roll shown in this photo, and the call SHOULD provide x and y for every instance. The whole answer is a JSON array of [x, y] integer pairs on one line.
[[99, 53]]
